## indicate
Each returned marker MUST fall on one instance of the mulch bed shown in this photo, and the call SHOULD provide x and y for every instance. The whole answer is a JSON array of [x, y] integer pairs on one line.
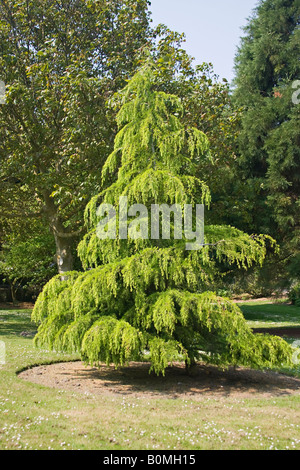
[[135, 380]]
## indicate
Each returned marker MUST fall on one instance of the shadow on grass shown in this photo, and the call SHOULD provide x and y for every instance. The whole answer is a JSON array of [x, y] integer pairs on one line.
[[16, 323], [278, 313]]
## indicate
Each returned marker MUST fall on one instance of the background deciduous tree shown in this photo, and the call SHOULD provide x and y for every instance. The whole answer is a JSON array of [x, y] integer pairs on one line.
[[61, 62]]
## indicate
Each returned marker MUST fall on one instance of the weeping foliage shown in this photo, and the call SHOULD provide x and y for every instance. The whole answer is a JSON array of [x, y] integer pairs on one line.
[[153, 298]]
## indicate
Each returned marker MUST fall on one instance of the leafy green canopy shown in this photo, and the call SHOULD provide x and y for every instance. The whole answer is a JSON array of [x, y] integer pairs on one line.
[[61, 60], [37, 265], [152, 296]]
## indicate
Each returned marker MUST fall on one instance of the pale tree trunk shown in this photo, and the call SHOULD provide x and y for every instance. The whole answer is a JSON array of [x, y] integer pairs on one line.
[[64, 257], [64, 240]]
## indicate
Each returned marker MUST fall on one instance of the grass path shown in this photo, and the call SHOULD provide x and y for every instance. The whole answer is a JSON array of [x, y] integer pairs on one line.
[[36, 417], [264, 314]]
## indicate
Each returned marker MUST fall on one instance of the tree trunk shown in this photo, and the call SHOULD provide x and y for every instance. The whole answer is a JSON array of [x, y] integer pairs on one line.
[[64, 240], [191, 367], [13, 291], [64, 257]]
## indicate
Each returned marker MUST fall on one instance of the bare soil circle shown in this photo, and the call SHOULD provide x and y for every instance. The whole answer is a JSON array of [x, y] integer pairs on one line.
[[135, 380]]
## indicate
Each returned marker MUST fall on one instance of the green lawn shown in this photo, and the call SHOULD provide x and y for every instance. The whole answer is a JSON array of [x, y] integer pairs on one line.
[[37, 417], [263, 314]]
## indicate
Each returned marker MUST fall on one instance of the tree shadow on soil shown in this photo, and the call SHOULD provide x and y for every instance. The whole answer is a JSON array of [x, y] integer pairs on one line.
[[136, 380]]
